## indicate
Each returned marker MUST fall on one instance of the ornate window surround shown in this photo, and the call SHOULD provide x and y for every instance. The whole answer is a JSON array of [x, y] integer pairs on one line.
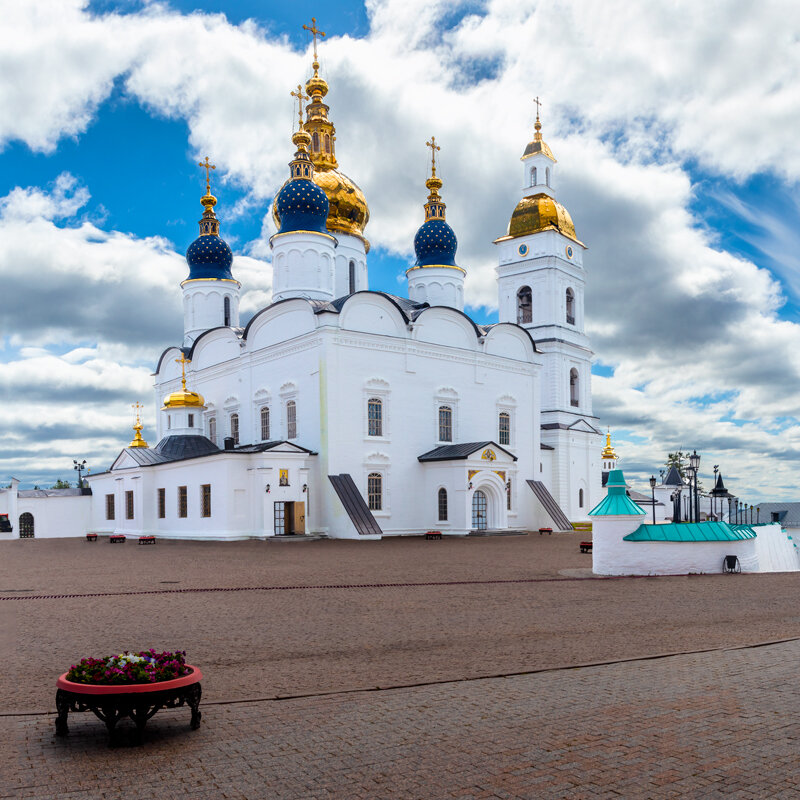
[[380, 389], [378, 462], [446, 396]]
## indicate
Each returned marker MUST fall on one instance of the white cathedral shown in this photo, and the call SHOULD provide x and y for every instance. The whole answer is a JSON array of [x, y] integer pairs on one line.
[[352, 413]]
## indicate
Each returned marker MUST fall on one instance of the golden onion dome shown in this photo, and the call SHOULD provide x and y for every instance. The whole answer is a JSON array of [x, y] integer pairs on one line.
[[348, 211], [608, 450], [184, 399], [540, 212]]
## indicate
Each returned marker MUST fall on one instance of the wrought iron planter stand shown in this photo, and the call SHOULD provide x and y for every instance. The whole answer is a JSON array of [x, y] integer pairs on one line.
[[138, 701]]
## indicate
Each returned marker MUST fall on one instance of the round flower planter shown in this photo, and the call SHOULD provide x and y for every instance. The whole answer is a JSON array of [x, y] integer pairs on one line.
[[138, 701]]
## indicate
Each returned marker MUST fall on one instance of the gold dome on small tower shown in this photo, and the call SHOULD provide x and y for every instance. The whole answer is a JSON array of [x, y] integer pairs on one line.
[[184, 398], [608, 450]]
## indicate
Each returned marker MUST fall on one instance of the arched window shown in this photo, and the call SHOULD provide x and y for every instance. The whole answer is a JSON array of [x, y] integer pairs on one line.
[[524, 305], [315, 142], [291, 420], [570, 307], [374, 417], [352, 276], [212, 429], [442, 505], [26, 526], [573, 387], [226, 305], [547, 175], [445, 424], [375, 491], [533, 177], [580, 498], [504, 428], [327, 143], [265, 423], [235, 428]]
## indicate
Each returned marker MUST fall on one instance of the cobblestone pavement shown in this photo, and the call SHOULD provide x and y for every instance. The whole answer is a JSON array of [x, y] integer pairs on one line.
[[722, 724], [715, 724]]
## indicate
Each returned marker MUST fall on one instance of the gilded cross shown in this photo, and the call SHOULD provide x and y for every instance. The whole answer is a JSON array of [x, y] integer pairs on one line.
[[300, 98], [183, 361], [538, 104], [315, 31], [137, 407], [207, 166], [434, 147]]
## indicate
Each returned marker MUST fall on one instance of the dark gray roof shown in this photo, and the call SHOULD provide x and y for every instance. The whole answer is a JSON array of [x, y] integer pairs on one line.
[[173, 448], [788, 513], [144, 456], [543, 446], [641, 499], [453, 452], [673, 478], [262, 447]]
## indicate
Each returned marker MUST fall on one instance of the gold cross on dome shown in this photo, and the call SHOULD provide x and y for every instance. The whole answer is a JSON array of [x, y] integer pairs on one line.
[[183, 361], [300, 99], [538, 105], [315, 31], [137, 407], [434, 147], [207, 166]]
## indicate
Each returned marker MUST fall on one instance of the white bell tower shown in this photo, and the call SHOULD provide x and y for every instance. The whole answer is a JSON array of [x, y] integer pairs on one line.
[[541, 283]]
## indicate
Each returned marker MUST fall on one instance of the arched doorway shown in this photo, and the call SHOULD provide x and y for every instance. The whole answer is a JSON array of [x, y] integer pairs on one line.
[[478, 510], [26, 525]]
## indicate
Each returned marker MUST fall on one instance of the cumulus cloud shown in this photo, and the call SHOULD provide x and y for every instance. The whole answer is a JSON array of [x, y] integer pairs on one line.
[[636, 97]]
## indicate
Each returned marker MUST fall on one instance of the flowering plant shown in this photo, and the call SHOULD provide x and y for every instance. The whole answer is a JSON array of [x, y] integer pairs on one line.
[[144, 667]]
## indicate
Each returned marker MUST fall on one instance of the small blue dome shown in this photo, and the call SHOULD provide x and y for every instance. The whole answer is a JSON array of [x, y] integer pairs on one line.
[[435, 243], [301, 206], [209, 257]]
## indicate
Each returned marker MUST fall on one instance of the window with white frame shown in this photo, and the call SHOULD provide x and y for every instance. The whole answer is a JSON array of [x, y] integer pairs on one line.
[[235, 428], [265, 423], [375, 491], [442, 498], [375, 417], [504, 428], [445, 424], [291, 419], [212, 429]]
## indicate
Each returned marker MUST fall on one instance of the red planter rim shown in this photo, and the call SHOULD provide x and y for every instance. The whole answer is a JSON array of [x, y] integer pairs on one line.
[[195, 676]]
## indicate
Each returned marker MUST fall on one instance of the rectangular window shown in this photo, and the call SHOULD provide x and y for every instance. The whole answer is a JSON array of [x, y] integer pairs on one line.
[[374, 417], [212, 429], [442, 505], [235, 428], [191, 420], [183, 505], [291, 420], [110, 514], [162, 503], [375, 491], [445, 424], [504, 428], [265, 424], [128, 505], [205, 493]]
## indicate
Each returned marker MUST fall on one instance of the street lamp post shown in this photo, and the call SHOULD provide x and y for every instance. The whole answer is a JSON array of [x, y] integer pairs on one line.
[[79, 467], [653, 495], [714, 491], [694, 460], [690, 515]]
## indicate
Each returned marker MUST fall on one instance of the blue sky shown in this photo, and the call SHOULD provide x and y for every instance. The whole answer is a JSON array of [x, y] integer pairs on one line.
[[679, 169]]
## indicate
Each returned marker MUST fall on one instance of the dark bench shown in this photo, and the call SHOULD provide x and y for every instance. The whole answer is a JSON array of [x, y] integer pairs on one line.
[[433, 535], [118, 537], [548, 531], [586, 547], [147, 540], [91, 537]]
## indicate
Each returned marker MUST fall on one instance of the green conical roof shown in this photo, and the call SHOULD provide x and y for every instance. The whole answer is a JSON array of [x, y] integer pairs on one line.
[[616, 503]]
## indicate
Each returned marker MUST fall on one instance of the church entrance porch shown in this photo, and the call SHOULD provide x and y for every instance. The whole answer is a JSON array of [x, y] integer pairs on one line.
[[289, 518]]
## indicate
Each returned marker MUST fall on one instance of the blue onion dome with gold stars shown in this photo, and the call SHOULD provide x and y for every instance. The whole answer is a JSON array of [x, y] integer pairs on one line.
[[300, 204], [435, 243], [208, 256]]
